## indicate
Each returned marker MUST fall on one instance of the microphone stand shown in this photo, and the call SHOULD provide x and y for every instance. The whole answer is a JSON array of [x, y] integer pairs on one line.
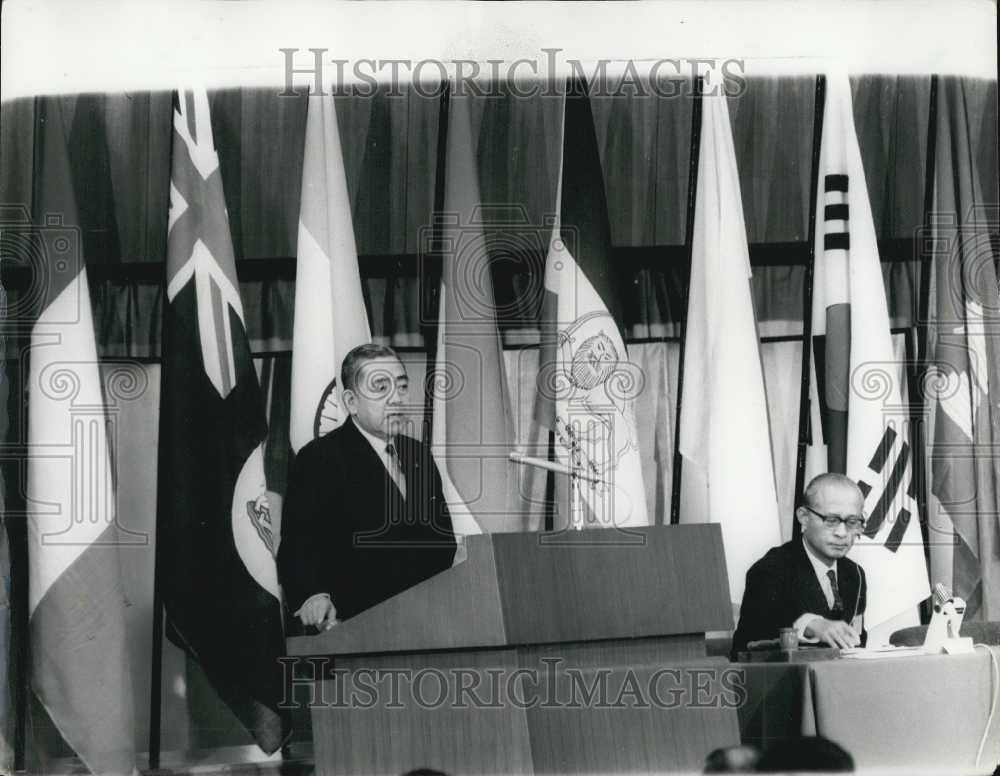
[[575, 473]]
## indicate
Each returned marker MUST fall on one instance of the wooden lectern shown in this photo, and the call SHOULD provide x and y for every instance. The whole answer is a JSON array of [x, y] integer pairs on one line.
[[567, 652]]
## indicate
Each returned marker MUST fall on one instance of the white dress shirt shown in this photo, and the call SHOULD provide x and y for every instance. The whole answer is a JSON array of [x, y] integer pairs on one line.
[[390, 462], [820, 567]]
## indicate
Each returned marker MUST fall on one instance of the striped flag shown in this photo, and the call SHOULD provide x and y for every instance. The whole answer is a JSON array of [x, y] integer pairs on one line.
[[964, 462], [330, 316], [725, 438], [473, 430], [79, 661], [860, 423], [587, 386], [215, 565]]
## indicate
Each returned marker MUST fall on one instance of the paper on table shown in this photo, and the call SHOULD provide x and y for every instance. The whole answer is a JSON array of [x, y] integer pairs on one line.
[[874, 653]]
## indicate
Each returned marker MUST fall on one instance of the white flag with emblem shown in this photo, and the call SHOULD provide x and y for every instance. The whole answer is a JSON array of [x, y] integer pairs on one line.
[[330, 316], [588, 386]]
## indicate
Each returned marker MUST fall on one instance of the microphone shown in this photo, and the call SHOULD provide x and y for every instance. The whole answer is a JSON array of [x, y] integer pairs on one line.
[[943, 632], [941, 596]]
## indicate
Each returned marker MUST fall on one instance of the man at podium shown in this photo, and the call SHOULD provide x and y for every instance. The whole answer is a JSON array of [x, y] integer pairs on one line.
[[364, 517], [808, 583]]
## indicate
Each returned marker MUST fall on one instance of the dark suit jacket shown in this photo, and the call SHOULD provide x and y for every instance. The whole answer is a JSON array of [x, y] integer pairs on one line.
[[782, 586], [346, 529]]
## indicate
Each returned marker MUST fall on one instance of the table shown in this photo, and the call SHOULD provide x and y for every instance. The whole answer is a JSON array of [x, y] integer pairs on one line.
[[923, 710]]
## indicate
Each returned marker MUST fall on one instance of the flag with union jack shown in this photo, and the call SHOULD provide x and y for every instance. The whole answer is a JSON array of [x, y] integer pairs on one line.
[[216, 543]]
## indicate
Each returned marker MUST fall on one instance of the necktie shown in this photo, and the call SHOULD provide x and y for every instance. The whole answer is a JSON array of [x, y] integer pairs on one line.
[[395, 470], [838, 602]]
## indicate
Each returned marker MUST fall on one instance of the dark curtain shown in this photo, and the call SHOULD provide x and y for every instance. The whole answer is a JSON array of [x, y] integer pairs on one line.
[[120, 152]]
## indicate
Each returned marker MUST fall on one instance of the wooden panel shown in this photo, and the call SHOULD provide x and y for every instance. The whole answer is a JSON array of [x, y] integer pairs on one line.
[[621, 710], [418, 725], [655, 651], [621, 706], [578, 586], [545, 588], [773, 710], [634, 739], [459, 607]]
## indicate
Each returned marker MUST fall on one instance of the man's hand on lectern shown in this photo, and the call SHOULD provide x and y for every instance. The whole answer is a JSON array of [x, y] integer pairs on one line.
[[836, 633], [318, 611]]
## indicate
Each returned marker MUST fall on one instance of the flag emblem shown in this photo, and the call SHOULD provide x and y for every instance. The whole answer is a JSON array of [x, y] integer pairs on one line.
[[596, 391], [329, 413]]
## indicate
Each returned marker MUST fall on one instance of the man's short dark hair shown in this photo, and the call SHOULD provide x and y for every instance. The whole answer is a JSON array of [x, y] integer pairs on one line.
[[360, 356]]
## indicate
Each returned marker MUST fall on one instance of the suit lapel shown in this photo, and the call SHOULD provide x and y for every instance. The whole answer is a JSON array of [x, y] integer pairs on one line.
[[812, 596]]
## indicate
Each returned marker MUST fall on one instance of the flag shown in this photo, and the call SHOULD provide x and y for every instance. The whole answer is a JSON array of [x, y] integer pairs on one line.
[[860, 423], [473, 429], [587, 386], [725, 438], [964, 462], [80, 668], [330, 316], [215, 565]]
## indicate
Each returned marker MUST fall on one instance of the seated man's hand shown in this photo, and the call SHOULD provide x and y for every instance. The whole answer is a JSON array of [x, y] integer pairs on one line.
[[318, 611], [836, 633]]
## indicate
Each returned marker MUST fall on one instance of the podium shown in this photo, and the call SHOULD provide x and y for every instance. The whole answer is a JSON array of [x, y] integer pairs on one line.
[[566, 652]]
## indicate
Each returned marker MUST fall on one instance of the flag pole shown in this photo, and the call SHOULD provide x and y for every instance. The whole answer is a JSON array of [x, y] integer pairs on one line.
[[675, 494], [431, 297], [20, 621], [918, 404], [156, 670], [924, 251], [156, 667], [819, 106]]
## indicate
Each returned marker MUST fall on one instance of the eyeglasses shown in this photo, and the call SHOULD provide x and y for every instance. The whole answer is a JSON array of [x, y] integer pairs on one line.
[[853, 522]]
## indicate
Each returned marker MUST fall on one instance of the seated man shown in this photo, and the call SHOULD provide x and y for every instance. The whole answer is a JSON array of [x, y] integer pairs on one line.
[[364, 518], [808, 583]]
